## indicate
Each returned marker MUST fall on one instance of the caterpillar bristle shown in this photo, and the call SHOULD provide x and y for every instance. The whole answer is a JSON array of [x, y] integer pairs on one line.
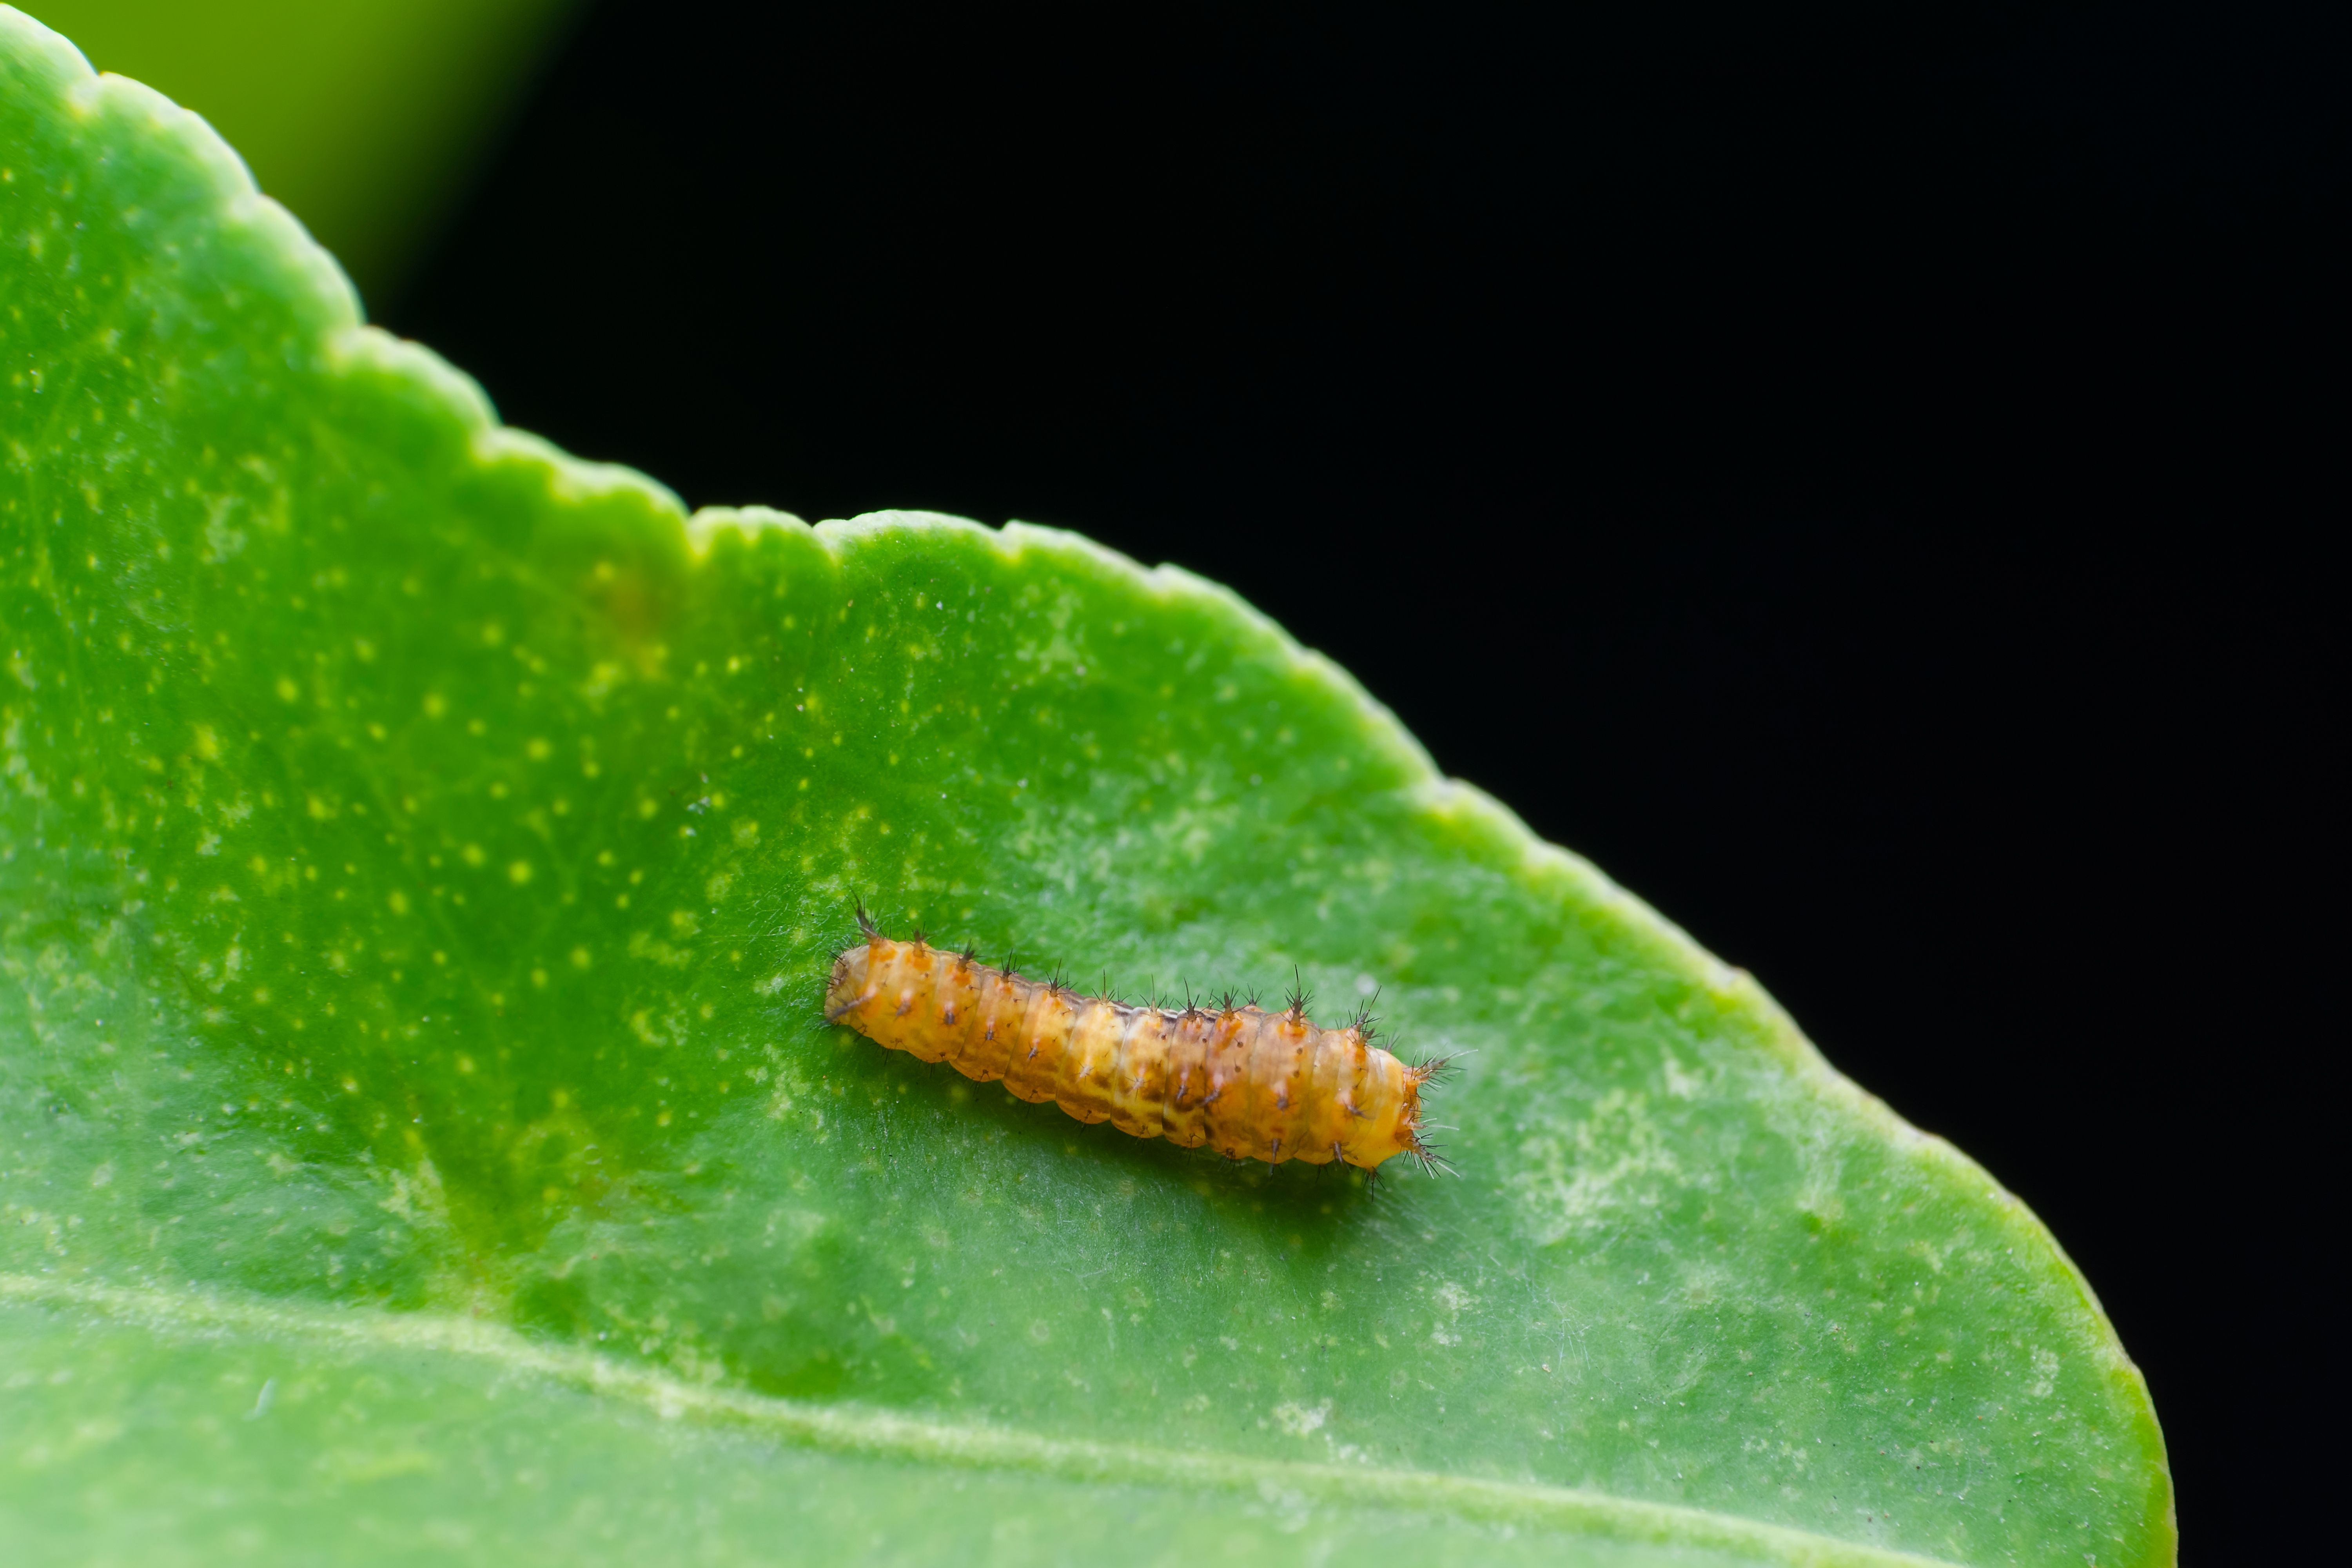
[[865, 923], [1300, 998]]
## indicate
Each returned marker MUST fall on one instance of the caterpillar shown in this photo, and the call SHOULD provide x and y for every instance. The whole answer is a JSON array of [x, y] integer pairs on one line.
[[1251, 1084]]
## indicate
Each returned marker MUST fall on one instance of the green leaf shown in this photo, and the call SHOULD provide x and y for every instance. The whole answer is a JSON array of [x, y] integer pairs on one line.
[[357, 114], [420, 855]]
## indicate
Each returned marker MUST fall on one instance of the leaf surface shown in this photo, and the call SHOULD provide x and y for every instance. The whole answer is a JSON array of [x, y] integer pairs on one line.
[[420, 855]]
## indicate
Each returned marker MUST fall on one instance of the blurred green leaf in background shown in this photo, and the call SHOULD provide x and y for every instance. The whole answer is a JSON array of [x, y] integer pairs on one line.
[[357, 114]]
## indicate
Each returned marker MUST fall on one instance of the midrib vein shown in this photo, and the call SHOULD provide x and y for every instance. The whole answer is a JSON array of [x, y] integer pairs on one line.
[[884, 1433]]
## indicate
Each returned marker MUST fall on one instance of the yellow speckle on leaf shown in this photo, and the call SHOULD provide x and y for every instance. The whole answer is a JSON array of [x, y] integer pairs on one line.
[[399, 902], [518, 873], [287, 689]]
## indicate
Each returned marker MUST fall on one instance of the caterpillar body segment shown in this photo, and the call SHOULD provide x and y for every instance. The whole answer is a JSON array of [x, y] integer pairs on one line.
[[1247, 1083]]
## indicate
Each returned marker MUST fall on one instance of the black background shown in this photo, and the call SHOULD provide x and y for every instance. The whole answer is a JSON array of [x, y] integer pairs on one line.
[[1857, 478]]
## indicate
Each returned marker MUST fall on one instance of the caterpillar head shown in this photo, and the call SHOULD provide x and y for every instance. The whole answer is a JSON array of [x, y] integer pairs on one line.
[[847, 985], [1388, 1111], [1405, 1135]]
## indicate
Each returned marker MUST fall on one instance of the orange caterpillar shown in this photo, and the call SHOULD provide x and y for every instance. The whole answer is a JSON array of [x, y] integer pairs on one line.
[[1249, 1083]]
